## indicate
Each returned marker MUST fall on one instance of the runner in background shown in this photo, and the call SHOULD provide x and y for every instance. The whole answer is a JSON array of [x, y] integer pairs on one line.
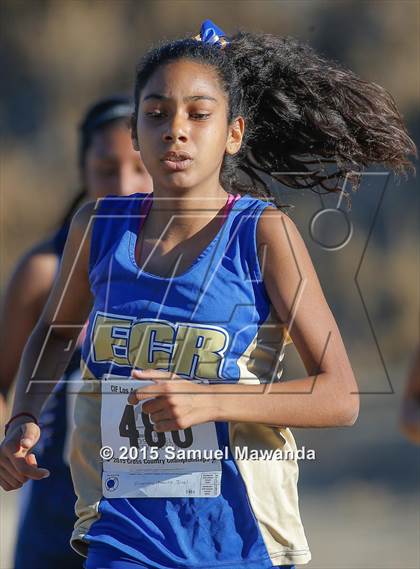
[[108, 165], [410, 409]]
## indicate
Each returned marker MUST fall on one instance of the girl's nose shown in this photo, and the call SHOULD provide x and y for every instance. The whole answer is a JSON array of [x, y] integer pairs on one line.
[[175, 131]]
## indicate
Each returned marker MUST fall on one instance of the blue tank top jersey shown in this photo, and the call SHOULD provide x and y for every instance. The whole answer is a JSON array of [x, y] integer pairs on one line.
[[220, 311]]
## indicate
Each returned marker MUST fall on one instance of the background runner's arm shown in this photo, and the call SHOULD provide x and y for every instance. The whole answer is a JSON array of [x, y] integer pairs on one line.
[[52, 343], [23, 301]]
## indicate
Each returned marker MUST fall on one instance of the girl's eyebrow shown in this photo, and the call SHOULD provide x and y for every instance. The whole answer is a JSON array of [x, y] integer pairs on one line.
[[185, 99]]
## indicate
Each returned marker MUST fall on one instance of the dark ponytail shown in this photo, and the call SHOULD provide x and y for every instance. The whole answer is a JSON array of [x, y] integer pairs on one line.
[[314, 123], [73, 207], [309, 122]]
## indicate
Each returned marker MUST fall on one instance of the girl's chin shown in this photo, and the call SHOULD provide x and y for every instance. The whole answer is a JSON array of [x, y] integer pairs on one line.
[[179, 180]]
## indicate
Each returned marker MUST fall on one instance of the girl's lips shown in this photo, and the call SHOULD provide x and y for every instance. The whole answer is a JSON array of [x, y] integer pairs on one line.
[[177, 165]]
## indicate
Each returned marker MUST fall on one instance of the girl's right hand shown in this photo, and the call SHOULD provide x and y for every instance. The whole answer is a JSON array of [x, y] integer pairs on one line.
[[17, 463]]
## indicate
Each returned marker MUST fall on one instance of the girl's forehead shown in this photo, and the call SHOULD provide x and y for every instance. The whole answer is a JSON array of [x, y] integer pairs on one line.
[[184, 77]]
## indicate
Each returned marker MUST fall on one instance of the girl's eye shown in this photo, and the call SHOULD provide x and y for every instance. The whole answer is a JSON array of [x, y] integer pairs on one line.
[[159, 114], [200, 116], [154, 114]]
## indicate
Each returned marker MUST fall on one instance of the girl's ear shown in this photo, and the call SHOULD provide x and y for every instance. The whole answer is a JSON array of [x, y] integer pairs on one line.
[[133, 124], [235, 135]]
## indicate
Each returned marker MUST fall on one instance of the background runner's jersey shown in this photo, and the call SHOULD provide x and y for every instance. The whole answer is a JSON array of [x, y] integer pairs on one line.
[[219, 312]]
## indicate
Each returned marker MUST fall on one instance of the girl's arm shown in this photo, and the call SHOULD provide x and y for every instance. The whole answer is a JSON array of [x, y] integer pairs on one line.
[[327, 397], [48, 352]]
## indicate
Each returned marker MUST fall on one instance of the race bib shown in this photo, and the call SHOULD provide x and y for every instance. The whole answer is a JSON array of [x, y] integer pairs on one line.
[[139, 462]]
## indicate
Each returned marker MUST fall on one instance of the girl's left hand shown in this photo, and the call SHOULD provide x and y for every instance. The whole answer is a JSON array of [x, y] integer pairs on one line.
[[177, 403]]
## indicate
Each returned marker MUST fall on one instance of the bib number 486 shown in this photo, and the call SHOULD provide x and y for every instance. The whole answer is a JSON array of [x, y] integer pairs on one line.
[[128, 429]]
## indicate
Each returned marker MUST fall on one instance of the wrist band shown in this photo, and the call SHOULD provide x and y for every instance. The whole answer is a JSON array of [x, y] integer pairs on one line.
[[7, 425]]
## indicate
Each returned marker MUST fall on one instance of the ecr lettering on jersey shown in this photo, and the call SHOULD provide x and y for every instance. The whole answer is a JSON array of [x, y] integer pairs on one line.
[[189, 350]]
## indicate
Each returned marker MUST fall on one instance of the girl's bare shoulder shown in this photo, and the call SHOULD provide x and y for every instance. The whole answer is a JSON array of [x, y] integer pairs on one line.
[[277, 231]]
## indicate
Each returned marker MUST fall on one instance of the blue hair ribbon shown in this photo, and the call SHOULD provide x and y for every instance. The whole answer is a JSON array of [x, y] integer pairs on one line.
[[212, 34]]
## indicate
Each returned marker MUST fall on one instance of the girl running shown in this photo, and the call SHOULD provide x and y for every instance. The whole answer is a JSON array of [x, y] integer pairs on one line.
[[192, 293], [108, 165]]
